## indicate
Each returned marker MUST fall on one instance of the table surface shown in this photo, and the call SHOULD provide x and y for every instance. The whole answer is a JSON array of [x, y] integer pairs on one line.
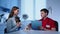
[[34, 32]]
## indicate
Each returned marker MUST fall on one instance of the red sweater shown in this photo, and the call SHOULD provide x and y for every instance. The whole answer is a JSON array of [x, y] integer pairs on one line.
[[48, 23]]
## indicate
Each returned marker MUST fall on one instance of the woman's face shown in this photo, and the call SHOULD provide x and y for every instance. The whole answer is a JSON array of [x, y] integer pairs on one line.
[[16, 12]]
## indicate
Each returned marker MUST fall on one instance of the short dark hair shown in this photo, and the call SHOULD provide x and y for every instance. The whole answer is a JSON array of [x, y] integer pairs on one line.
[[45, 10]]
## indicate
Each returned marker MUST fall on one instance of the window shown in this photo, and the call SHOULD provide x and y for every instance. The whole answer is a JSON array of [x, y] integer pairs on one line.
[[32, 8]]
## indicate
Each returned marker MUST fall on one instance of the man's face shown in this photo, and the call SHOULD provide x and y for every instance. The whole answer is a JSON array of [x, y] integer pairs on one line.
[[43, 14]]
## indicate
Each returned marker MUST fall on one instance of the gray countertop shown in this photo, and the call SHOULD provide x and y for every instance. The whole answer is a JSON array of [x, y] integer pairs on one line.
[[34, 32]]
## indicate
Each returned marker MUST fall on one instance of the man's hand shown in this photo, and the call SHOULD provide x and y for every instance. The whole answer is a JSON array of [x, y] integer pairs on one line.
[[40, 28], [53, 29]]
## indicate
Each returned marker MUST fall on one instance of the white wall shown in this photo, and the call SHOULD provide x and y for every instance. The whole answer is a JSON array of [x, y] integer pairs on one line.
[[54, 8], [39, 4], [32, 8], [27, 8]]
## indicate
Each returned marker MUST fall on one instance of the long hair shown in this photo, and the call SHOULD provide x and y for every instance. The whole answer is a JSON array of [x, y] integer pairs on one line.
[[12, 11]]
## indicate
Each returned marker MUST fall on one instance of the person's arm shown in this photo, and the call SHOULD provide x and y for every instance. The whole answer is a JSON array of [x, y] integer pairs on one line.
[[28, 27], [53, 27], [10, 26], [40, 28], [44, 29], [14, 26]]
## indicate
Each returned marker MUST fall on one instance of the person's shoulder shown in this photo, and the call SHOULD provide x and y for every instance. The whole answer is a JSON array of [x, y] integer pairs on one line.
[[50, 19], [10, 19], [40, 20]]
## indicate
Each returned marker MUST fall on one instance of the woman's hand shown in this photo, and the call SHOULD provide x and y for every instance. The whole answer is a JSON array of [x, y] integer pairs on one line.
[[18, 24]]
